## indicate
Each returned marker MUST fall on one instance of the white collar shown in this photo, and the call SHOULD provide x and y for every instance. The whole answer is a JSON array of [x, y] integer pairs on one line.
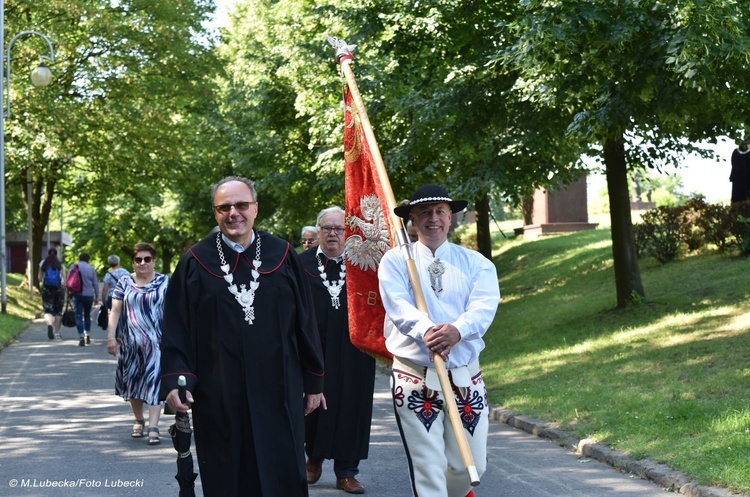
[[338, 259], [237, 247]]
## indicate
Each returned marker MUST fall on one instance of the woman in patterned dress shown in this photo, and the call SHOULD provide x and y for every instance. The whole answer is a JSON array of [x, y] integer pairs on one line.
[[138, 307]]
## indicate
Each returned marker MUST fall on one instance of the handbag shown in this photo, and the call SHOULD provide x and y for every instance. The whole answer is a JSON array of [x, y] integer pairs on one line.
[[103, 318], [69, 316]]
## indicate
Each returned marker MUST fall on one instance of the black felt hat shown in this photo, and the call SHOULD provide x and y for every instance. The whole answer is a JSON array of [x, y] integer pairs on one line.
[[430, 194]]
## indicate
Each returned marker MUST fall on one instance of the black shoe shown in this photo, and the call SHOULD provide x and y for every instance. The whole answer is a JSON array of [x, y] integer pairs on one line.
[[50, 334], [88, 340], [82, 342]]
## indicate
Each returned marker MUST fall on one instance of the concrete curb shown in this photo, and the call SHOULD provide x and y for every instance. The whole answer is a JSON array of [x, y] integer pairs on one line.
[[661, 474]]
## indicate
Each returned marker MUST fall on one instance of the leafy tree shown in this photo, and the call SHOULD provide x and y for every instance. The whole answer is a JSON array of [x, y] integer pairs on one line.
[[117, 118], [282, 102], [638, 80], [455, 122], [440, 115]]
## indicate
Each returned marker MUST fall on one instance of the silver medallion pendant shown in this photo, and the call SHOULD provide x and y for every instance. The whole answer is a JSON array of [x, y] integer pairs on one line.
[[245, 295], [334, 287], [436, 270]]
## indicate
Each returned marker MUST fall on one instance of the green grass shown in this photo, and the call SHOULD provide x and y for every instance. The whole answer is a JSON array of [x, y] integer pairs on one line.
[[667, 379], [20, 309]]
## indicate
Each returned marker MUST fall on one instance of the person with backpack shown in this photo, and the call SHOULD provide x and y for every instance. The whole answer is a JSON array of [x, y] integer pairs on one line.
[[88, 296], [51, 276]]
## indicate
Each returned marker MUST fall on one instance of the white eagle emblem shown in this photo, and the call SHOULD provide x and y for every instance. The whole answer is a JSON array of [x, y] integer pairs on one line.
[[366, 252]]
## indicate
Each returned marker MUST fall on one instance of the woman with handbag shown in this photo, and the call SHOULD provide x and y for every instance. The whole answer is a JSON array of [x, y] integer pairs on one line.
[[51, 276], [138, 308]]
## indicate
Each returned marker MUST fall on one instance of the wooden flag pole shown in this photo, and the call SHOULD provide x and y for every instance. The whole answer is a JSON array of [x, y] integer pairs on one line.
[[344, 58]]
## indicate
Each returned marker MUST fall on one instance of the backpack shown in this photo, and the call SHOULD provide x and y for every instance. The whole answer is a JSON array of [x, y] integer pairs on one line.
[[73, 283], [51, 277]]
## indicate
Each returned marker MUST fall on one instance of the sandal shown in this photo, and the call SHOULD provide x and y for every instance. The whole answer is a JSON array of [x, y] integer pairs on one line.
[[137, 428], [153, 436]]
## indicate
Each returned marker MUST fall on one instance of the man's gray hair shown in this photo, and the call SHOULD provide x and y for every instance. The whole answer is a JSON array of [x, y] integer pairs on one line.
[[248, 182], [312, 229], [113, 260], [328, 210]]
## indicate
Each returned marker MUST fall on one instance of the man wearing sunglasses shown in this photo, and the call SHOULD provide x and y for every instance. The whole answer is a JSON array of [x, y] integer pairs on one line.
[[309, 237], [239, 326]]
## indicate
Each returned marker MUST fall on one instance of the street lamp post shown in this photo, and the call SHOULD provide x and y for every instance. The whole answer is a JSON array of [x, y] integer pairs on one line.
[[41, 76]]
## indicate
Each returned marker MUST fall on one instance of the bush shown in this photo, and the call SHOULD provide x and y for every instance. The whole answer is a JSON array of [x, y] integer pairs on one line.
[[665, 230], [740, 213], [661, 233], [716, 223], [466, 236], [690, 229], [643, 234]]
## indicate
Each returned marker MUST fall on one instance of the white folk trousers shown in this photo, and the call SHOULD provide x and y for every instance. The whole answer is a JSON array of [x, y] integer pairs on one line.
[[436, 468]]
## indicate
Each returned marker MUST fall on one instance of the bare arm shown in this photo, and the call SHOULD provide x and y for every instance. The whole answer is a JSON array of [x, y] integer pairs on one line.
[[114, 317], [105, 291]]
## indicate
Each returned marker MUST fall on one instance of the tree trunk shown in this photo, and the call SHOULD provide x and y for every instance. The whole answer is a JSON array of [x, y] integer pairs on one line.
[[40, 211], [627, 273], [482, 212], [527, 208]]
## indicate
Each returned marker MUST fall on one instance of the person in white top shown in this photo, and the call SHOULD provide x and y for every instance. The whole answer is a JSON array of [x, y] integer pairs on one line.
[[462, 294]]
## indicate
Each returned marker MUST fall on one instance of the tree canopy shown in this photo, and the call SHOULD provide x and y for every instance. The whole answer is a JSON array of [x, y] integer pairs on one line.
[[120, 120], [635, 80], [490, 98]]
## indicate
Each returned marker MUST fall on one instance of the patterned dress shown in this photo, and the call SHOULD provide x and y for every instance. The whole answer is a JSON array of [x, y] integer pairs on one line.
[[139, 355]]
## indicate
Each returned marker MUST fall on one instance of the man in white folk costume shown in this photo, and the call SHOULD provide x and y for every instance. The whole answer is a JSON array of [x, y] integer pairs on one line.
[[462, 294]]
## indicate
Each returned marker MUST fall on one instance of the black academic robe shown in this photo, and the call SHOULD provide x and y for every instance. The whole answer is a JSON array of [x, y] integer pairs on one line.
[[247, 380], [343, 431], [740, 176]]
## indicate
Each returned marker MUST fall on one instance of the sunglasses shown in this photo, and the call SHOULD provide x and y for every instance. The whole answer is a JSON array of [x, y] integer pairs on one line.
[[143, 260], [239, 207]]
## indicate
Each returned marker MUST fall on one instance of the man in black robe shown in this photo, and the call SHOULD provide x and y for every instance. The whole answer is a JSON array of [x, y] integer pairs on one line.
[[342, 432], [740, 174], [239, 325]]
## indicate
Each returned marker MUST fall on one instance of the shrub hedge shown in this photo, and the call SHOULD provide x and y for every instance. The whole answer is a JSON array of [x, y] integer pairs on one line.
[[667, 231]]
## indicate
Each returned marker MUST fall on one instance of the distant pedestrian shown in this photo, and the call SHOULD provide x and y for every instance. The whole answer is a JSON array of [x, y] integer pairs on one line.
[[462, 294], [309, 237], [113, 275], [88, 297], [138, 309], [51, 278], [740, 175], [412, 231]]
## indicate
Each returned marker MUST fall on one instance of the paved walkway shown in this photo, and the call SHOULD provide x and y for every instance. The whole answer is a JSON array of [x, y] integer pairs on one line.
[[64, 433]]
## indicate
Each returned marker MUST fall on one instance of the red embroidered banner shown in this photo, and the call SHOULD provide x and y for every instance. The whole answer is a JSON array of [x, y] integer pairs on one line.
[[367, 238]]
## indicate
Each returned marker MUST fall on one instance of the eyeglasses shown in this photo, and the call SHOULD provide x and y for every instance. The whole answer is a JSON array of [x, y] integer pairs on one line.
[[143, 260], [332, 229], [239, 206], [308, 242]]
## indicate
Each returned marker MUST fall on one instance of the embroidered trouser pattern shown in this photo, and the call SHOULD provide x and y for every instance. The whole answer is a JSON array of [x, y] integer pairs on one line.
[[435, 465]]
